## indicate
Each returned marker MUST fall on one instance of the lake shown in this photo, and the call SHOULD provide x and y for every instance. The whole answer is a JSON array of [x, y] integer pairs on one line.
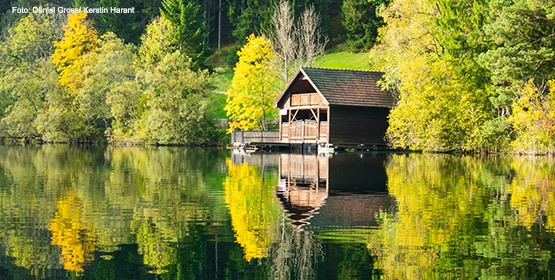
[[190, 213]]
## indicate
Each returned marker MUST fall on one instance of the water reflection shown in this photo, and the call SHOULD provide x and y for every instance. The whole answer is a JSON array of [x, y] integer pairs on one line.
[[323, 191], [69, 210], [303, 186], [467, 217], [174, 213]]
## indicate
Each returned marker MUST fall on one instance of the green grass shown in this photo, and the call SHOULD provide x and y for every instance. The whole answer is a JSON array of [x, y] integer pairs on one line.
[[219, 104], [221, 82], [222, 79], [344, 60]]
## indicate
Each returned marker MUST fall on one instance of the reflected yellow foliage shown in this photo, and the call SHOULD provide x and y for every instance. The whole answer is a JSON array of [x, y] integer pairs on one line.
[[254, 211], [464, 216], [432, 206], [69, 232], [533, 192]]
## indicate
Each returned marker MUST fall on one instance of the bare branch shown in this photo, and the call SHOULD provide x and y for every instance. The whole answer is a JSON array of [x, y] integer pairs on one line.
[[295, 45]]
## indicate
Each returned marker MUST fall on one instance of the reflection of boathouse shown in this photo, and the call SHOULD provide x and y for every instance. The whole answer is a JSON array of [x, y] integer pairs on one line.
[[346, 190], [303, 185], [333, 106]]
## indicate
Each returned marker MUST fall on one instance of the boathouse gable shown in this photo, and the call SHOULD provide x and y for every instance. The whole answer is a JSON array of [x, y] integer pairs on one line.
[[333, 106]]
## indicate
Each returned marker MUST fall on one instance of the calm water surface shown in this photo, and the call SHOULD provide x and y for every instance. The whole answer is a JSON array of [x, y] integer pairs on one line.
[[177, 213]]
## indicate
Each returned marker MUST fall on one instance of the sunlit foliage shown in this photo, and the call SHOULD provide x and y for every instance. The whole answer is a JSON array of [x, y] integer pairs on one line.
[[442, 99], [176, 103], [69, 57], [482, 53], [158, 41], [533, 119], [25, 74], [252, 92], [108, 97]]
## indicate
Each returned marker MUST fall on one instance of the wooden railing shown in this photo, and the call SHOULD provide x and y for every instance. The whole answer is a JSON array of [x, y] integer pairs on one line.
[[323, 130], [300, 130], [254, 136]]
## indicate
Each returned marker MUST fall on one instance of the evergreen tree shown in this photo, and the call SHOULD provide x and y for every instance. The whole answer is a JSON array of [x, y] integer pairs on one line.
[[191, 29], [361, 22]]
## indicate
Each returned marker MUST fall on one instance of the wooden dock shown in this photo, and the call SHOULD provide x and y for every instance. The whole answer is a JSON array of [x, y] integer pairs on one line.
[[269, 141]]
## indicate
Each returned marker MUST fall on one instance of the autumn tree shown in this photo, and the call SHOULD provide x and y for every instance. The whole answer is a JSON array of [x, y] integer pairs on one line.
[[69, 57], [252, 92], [159, 39], [63, 120], [533, 119], [443, 99]]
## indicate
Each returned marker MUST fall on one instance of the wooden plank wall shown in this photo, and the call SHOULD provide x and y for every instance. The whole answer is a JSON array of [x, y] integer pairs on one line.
[[358, 125]]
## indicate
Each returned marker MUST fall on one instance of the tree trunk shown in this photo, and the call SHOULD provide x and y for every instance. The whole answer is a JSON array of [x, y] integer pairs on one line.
[[219, 23]]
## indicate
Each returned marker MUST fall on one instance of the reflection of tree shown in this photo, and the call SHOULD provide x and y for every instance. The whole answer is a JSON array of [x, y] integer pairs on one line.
[[60, 203], [69, 232], [254, 211], [533, 192], [462, 217], [296, 255]]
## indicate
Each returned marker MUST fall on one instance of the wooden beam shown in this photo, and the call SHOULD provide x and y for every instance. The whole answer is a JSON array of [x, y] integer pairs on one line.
[[308, 107], [314, 114], [295, 115]]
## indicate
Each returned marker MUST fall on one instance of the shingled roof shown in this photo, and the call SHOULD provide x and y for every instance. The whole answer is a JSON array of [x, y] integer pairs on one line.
[[344, 87]]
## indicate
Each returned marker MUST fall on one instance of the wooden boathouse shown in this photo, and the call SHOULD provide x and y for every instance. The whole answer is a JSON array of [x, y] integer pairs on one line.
[[333, 106]]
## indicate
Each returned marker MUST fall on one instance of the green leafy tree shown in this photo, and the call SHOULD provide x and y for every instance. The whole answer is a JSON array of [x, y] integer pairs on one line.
[[25, 76], [109, 91], [176, 103]]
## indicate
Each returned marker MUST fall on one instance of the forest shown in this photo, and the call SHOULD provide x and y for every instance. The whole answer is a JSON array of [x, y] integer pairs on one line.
[[471, 76]]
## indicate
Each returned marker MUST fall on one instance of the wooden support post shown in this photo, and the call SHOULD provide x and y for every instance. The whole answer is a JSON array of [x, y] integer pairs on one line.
[[302, 132], [329, 125], [289, 126], [318, 127]]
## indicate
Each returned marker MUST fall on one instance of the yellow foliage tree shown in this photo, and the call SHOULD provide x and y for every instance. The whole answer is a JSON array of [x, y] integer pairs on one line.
[[252, 92], [533, 120], [80, 39]]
